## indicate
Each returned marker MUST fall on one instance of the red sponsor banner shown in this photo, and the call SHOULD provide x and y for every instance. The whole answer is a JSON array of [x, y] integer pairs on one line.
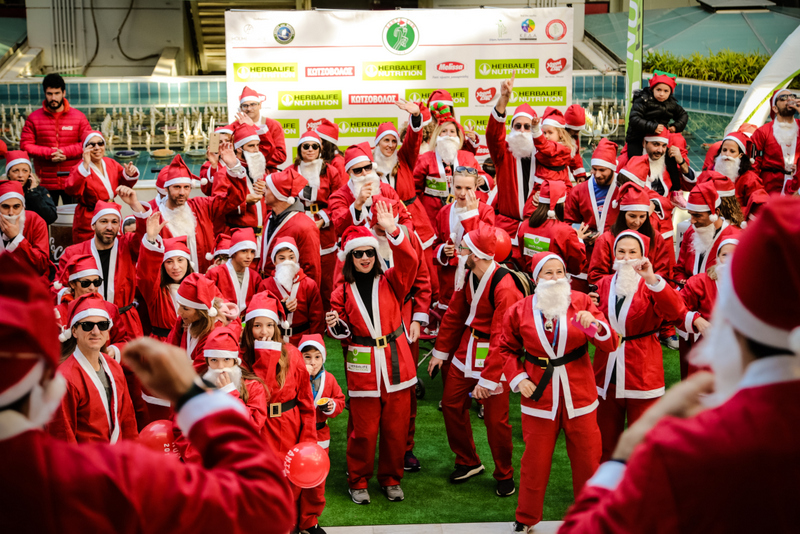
[[373, 99], [484, 96], [554, 66], [449, 67], [483, 151], [326, 72]]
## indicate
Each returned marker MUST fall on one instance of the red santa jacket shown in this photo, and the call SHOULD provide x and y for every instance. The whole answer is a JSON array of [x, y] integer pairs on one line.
[[639, 362], [744, 186], [272, 143], [552, 160], [308, 317], [699, 294], [238, 473], [162, 306], [370, 369], [295, 224], [316, 201], [690, 263], [681, 479], [208, 173], [581, 206], [602, 261], [523, 331], [31, 244], [769, 163], [89, 187], [292, 416], [343, 211], [338, 163], [576, 170], [471, 328], [245, 215], [553, 236], [226, 279], [86, 414], [328, 389]]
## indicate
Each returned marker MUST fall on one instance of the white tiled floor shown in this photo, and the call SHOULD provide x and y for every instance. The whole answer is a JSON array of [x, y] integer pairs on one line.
[[545, 527]]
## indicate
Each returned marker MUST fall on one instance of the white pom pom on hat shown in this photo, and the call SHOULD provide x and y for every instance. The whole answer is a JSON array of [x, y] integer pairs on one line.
[[65, 335], [57, 285], [551, 214], [212, 312], [713, 217], [204, 181], [794, 340]]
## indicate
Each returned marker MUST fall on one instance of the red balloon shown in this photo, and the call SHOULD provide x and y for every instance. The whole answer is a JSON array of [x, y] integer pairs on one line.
[[306, 464], [158, 436], [503, 248]]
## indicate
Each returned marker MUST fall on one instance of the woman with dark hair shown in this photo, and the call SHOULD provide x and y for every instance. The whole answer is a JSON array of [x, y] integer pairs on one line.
[[633, 203], [729, 208], [367, 316], [733, 162], [331, 155], [37, 198]]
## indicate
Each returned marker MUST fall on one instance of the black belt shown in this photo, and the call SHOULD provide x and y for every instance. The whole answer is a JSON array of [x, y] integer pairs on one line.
[[409, 201], [256, 229], [549, 366], [477, 334], [775, 170], [640, 336], [381, 342], [125, 308], [557, 168], [321, 425], [292, 330], [160, 332], [276, 409], [410, 294]]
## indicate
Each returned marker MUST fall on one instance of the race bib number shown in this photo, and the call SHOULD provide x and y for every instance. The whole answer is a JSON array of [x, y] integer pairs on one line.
[[435, 187], [534, 243], [481, 351], [358, 359]]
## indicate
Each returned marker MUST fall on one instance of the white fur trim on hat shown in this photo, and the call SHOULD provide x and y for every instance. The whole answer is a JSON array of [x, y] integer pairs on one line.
[[603, 163], [88, 137], [545, 200], [777, 94], [262, 312], [385, 133], [242, 245], [729, 241], [635, 179], [308, 140], [90, 312], [241, 142], [17, 162], [176, 253], [233, 354], [311, 343], [634, 207], [655, 139], [735, 140], [12, 194], [355, 243], [104, 212], [275, 191], [281, 246], [552, 122], [249, 98], [475, 250], [212, 311], [83, 274], [182, 180], [637, 237], [520, 114], [537, 269], [357, 159]]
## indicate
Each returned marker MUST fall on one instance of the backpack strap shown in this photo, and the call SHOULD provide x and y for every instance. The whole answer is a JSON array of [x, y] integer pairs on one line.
[[498, 275]]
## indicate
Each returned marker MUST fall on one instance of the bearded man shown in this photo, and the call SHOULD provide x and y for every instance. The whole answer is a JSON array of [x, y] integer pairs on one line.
[[777, 146], [733, 162]]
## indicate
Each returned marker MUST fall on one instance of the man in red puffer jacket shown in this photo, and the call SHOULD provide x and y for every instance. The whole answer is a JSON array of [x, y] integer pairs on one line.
[[52, 136]]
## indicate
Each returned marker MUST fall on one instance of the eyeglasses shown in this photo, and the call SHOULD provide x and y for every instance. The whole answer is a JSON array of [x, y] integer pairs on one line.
[[462, 248], [468, 170], [360, 170], [98, 143], [88, 326], [358, 254], [783, 97], [250, 106], [309, 146], [519, 126], [86, 283]]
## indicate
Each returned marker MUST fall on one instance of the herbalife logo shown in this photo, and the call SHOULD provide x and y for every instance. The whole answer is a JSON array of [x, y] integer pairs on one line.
[[371, 70], [470, 124], [344, 127], [290, 100], [485, 69], [539, 96], [415, 97], [287, 99], [505, 68]]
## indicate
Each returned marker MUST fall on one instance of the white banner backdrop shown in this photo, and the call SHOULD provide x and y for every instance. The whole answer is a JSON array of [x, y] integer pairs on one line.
[[351, 66]]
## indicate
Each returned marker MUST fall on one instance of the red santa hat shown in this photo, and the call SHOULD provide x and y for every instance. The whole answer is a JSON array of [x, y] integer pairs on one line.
[[248, 95], [11, 189], [523, 110], [757, 199], [90, 135], [78, 266], [221, 247], [440, 96], [575, 117], [637, 169], [644, 241], [740, 138], [243, 134], [285, 185], [282, 243], [328, 131], [266, 304], [87, 305], [631, 197], [102, 208], [443, 114], [161, 178], [723, 185], [729, 241], [605, 155], [540, 258], [223, 342], [227, 129], [15, 157], [178, 173], [354, 237], [657, 138], [704, 197], [242, 239], [310, 137], [198, 292], [28, 330], [387, 128], [360, 153], [313, 341], [747, 129], [397, 206], [553, 192], [553, 117], [664, 78], [759, 297], [176, 247], [482, 242]]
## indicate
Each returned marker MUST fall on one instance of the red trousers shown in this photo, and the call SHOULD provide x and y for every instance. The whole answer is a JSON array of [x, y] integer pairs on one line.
[[611, 418], [310, 505], [412, 421], [369, 416], [456, 403], [583, 448], [433, 274], [328, 267]]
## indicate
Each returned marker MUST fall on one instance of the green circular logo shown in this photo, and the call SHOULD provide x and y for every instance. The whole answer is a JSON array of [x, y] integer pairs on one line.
[[400, 36], [283, 33]]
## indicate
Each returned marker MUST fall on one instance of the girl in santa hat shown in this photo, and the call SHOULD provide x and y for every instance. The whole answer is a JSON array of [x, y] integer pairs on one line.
[[555, 148], [37, 198]]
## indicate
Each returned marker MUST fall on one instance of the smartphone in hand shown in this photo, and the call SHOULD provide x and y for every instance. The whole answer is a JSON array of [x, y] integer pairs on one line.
[[213, 143]]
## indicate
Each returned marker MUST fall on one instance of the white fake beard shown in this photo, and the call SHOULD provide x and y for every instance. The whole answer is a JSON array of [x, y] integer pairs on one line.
[[234, 373], [256, 165], [447, 148], [285, 273], [384, 165], [727, 166], [720, 350], [14, 218], [553, 297], [520, 144], [44, 401], [310, 171], [384, 250], [361, 181], [657, 168], [703, 238], [180, 221], [785, 132], [627, 279]]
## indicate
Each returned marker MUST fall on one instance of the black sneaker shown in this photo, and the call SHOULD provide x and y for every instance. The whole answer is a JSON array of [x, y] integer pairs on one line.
[[463, 473], [480, 411], [519, 527], [316, 529], [440, 406], [419, 389], [410, 463], [506, 487]]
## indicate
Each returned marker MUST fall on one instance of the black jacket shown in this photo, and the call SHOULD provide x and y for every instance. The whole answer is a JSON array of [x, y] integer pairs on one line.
[[647, 113], [38, 200]]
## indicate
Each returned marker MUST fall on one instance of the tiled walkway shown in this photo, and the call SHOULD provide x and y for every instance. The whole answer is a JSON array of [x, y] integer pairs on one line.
[[545, 527]]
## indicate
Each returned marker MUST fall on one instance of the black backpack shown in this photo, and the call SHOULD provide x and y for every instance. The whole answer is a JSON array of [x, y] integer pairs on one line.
[[521, 280]]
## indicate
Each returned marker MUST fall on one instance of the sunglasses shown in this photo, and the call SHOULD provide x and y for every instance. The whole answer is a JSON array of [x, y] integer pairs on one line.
[[88, 326], [358, 254], [467, 170], [786, 97], [526, 127], [360, 170], [86, 283], [98, 143], [309, 146]]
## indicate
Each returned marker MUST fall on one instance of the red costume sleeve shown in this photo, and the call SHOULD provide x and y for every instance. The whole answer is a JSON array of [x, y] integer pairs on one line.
[[505, 295]]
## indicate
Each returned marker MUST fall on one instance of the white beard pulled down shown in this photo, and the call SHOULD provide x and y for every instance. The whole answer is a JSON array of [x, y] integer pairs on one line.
[[657, 167], [285, 273], [234, 373], [627, 278], [553, 297], [520, 144], [447, 148], [310, 171], [256, 165]]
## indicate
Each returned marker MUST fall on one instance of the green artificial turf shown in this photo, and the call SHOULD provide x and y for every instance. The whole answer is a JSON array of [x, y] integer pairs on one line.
[[430, 498]]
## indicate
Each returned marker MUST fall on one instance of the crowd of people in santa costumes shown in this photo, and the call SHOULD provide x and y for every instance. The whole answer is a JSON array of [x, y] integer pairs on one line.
[[510, 274]]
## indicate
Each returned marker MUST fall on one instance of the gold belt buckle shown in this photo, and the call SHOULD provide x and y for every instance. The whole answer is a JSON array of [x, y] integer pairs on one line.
[[257, 230], [275, 409], [449, 199], [313, 208], [381, 342]]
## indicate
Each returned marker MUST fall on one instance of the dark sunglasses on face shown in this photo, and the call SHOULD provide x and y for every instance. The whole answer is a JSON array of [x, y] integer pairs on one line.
[[309, 146], [781, 98], [526, 127], [88, 326], [98, 143], [86, 283], [467, 170], [358, 254], [365, 168]]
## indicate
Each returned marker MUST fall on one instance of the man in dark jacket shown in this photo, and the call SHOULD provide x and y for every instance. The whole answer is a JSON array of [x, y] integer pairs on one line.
[[52, 136], [653, 110]]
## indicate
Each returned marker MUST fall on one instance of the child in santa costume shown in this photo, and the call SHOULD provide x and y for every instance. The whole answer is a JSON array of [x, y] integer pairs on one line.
[[545, 343], [329, 401], [299, 293], [776, 146], [545, 230], [367, 315], [654, 110], [97, 406], [22, 232], [636, 301], [236, 280], [323, 181], [96, 178], [220, 255]]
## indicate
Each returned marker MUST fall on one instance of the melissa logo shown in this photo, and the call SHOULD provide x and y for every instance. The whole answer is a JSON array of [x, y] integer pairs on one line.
[[460, 95], [265, 72], [292, 100], [449, 67], [500, 69], [554, 66], [484, 96], [556, 30], [328, 72], [483, 151]]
